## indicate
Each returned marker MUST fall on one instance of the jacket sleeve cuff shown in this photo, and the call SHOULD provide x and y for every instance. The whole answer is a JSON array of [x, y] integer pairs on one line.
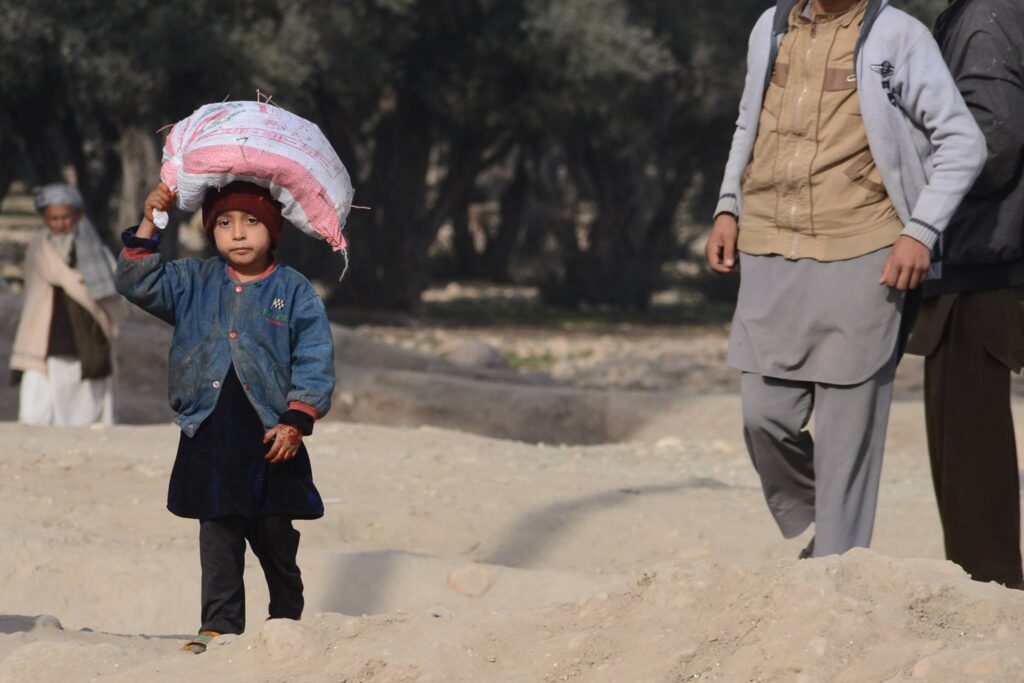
[[136, 254], [131, 241], [298, 419], [304, 408], [728, 203], [924, 233]]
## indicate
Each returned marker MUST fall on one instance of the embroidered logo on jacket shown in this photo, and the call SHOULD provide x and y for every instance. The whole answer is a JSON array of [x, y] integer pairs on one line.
[[886, 71], [274, 315]]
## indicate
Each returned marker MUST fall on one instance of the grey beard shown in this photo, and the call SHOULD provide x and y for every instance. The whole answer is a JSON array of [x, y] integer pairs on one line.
[[63, 244]]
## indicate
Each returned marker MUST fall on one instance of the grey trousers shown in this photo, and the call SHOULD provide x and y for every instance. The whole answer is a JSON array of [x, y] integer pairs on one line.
[[832, 478]]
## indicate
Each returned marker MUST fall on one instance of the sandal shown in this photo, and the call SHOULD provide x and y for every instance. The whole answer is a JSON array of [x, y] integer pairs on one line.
[[197, 645]]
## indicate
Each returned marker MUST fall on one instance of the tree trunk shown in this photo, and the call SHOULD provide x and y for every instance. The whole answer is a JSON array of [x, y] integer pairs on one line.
[[8, 156], [557, 211], [46, 166], [140, 169], [466, 256], [496, 260], [631, 236], [389, 266], [97, 174], [386, 271]]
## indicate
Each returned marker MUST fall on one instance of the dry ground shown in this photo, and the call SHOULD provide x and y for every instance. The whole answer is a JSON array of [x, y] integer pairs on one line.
[[489, 560]]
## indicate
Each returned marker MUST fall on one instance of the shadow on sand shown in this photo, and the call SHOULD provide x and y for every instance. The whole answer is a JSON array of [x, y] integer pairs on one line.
[[520, 546]]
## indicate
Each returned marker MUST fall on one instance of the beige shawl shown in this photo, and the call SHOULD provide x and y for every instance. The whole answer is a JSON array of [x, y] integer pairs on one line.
[[45, 269]]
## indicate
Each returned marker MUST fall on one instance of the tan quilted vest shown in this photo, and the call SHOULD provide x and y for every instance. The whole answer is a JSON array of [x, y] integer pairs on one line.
[[812, 189]]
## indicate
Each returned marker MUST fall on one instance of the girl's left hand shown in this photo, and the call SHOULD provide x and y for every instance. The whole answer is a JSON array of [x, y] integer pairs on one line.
[[287, 440]]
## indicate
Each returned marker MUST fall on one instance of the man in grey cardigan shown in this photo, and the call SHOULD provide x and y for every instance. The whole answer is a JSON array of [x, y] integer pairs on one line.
[[852, 150]]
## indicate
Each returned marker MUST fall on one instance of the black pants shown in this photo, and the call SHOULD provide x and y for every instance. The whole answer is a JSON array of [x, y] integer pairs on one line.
[[222, 556], [975, 340]]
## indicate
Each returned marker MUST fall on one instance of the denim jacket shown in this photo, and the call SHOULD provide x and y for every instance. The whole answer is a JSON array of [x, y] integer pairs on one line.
[[273, 329]]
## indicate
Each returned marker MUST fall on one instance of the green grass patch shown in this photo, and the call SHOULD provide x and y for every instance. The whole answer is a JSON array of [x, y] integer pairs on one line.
[[530, 362]]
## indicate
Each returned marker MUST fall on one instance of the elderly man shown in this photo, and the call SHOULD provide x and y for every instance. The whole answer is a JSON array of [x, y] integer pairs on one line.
[[971, 327], [62, 348], [852, 150]]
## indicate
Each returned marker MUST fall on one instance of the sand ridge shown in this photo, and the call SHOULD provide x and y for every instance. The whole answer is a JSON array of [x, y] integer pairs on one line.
[[476, 559], [445, 555]]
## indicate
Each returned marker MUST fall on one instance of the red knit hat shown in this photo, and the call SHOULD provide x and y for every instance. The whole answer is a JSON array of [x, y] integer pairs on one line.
[[242, 196]]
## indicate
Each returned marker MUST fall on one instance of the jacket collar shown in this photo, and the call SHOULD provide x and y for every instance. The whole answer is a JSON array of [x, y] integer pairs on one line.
[[844, 18], [945, 19], [785, 7], [871, 14], [780, 25], [233, 275]]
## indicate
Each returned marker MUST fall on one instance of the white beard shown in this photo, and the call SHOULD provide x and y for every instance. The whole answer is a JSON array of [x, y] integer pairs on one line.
[[63, 244]]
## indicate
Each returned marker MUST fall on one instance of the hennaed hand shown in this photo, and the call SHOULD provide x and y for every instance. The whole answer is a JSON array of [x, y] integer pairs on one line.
[[287, 440]]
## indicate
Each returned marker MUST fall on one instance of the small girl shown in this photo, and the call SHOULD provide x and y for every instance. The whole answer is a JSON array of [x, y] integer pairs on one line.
[[251, 367]]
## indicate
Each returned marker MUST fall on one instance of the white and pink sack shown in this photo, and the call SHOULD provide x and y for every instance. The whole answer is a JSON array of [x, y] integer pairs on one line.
[[263, 144]]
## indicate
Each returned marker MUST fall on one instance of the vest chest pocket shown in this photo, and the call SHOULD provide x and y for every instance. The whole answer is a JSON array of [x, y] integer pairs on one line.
[[839, 91], [837, 80], [863, 171]]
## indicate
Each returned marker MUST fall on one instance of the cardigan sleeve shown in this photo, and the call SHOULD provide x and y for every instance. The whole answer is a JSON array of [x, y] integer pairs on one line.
[[730, 197], [931, 99]]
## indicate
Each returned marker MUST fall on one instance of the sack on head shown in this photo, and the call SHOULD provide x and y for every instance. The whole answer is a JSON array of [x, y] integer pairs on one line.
[[263, 144]]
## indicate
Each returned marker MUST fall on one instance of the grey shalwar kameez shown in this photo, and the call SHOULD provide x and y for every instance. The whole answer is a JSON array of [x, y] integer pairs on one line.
[[851, 135], [822, 336]]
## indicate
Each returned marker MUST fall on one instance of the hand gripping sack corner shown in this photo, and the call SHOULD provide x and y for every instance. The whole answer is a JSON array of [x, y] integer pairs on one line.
[[263, 144]]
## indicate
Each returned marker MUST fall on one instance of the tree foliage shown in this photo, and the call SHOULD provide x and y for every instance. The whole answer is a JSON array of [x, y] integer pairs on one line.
[[572, 137]]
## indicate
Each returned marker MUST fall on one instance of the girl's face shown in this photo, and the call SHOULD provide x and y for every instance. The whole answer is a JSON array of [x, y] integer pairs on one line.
[[243, 241]]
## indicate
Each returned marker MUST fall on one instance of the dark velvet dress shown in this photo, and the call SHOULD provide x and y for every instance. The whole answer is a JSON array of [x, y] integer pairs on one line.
[[222, 470]]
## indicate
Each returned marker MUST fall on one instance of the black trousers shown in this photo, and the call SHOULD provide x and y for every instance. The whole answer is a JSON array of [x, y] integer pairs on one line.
[[275, 543], [972, 341]]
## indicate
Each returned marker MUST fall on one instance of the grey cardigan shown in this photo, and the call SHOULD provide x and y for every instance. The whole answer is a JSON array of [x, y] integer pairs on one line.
[[927, 145]]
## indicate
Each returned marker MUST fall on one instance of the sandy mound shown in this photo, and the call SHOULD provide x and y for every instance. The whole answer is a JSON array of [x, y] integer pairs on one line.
[[478, 559], [451, 557], [862, 617]]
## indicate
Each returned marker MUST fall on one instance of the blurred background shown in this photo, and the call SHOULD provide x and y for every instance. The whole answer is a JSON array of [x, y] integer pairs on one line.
[[571, 147], [541, 174]]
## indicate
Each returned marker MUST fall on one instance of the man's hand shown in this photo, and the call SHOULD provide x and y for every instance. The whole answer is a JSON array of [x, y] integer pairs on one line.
[[907, 265], [721, 249], [160, 199], [287, 440]]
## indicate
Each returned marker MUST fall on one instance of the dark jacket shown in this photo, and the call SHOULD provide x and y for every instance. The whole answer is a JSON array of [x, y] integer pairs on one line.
[[983, 43]]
